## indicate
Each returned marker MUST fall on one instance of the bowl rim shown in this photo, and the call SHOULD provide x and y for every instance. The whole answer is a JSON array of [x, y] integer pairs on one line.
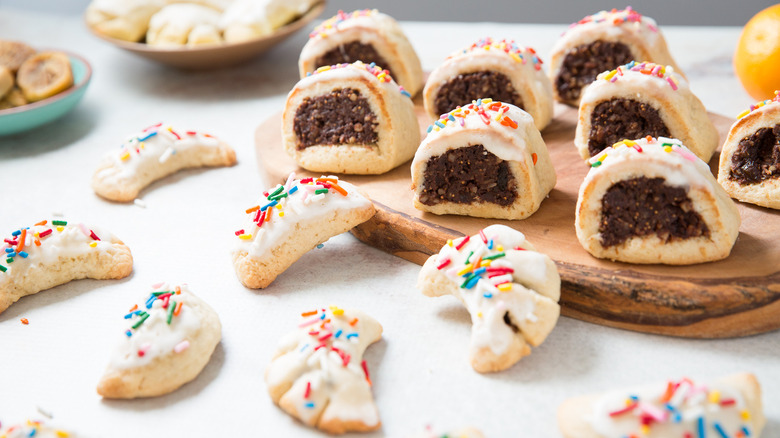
[[315, 10], [59, 96]]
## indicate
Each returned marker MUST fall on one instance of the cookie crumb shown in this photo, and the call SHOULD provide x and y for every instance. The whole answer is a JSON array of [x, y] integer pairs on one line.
[[139, 202], [25, 321]]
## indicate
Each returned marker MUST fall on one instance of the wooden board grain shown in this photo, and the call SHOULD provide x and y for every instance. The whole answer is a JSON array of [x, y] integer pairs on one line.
[[737, 296]]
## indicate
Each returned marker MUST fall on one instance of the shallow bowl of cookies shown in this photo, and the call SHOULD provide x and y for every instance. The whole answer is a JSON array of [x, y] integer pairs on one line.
[[32, 115], [216, 55]]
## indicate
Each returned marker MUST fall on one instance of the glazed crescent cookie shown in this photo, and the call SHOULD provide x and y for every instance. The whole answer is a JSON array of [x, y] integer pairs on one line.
[[318, 374], [168, 341], [510, 290], [727, 407], [126, 20], [750, 160], [34, 428], [154, 153], [349, 118], [184, 24], [499, 69], [640, 99], [244, 20], [486, 159], [602, 42], [365, 35], [290, 220], [653, 201], [55, 252]]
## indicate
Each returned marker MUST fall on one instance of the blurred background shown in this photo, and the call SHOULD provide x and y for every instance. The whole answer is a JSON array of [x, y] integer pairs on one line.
[[666, 12]]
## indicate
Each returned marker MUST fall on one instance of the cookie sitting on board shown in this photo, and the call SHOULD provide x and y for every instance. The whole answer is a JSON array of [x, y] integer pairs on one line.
[[290, 220], [154, 153], [510, 290], [55, 252], [318, 374], [168, 342]]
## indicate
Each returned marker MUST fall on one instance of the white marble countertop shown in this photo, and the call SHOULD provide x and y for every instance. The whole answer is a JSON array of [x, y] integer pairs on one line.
[[420, 369]]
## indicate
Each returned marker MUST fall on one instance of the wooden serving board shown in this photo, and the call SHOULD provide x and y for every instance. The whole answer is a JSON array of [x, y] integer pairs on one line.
[[737, 296]]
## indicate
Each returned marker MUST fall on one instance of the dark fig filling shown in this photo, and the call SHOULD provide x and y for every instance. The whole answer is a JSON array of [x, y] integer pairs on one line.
[[466, 175], [463, 89], [340, 117], [617, 119], [641, 207], [351, 52], [757, 157], [583, 63]]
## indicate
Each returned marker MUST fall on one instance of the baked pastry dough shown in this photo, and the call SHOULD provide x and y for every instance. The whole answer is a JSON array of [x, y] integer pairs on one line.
[[501, 70], [318, 374], [601, 42], [55, 252], [750, 159], [365, 35], [640, 99], [349, 118], [653, 201], [245, 20], [169, 339], [184, 24], [154, 153], [486, 159], [727, 407], [510, 290], [290, 220]]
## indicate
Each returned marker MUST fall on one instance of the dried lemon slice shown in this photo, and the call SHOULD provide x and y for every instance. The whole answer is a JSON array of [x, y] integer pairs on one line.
[[44, 75], [13, 54]]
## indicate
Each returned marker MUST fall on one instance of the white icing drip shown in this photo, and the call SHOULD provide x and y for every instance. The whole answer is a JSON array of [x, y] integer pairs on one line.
[[347, 73], [646, 29], [155, 337], [301, 206], [689, 402], [635, 80], [484, 301]]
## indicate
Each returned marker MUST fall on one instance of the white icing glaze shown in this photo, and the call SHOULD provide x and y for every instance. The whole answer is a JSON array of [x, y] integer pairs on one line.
[[149, 148], [678, 165], [606, 84], [689, 402], [613, 24], [347, 72], [325, 355], [264, 15], [34, 428], [365, 18], [290, 211], [529, 274], [154, 337], [120, 8], [71, 240], [470, 128], [183, 23]]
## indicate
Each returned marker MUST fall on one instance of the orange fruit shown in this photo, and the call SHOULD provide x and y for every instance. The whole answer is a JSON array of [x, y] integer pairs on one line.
[[757, 59]]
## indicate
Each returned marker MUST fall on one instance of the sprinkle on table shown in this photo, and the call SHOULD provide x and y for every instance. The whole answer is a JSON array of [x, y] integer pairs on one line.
[[25, 321]]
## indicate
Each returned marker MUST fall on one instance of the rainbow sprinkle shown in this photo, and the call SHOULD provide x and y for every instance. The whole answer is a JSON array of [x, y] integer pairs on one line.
[[26, 241], [382, 75], [31, 428], [486, 109], [134, 146], [616, 17], [138, 316], [332, 24], [473, 271], [510, 47], [669, 146], [758, 105], [665, 73], [311, 189]]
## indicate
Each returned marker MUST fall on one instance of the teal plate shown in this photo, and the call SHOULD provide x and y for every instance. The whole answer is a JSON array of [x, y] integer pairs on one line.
[[26, 117]]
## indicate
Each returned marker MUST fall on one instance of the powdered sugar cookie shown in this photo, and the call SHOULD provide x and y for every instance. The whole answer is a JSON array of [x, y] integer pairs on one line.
[[290, 220], [727, 407], [154, 153], [168, 341], [318, 374], [510, 290], [51, 253]]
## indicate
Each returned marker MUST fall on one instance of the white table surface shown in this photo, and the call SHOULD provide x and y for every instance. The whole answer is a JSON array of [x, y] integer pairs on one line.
[[420, 369]]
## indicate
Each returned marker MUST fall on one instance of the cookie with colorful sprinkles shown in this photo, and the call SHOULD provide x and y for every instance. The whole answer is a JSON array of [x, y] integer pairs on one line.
[[154, 153], [510, 290], [651, 200], [318, 374], [364, 35], [499, 69], [291, 219], [640, 99], [750, 159], [54, 252], [350, 118], [602, 42], [34, 428], [729, 407], [169, 338], [485, 159]]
